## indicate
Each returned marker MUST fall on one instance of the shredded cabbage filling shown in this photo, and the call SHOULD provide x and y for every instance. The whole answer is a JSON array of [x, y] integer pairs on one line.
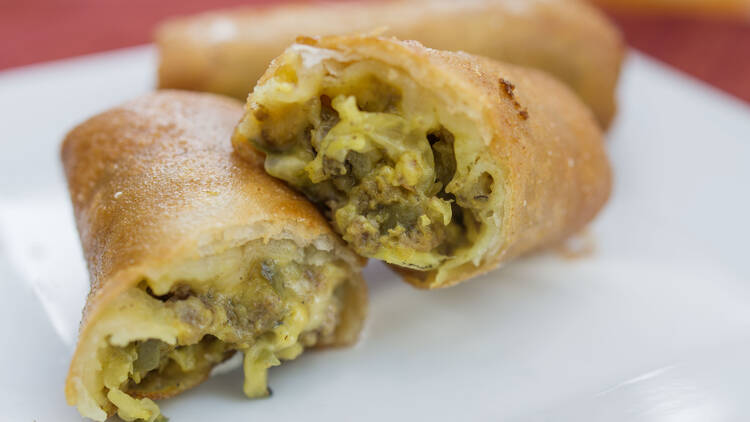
[[270, 311], [378, 159]]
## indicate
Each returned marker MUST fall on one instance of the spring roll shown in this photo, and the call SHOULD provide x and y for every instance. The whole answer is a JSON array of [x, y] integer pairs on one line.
[[443, 164], [227, 51], [193, 254]]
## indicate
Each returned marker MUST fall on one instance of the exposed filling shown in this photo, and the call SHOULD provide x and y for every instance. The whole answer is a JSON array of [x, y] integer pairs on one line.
[[267, 308], [387, 159]]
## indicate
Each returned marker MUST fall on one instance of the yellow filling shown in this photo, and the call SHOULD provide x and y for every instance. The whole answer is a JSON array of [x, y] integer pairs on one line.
[[402, 176], [191, 319]]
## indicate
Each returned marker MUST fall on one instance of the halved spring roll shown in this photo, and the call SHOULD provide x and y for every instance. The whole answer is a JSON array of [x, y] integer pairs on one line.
[[193, 254], [442, 164], [227, 51]]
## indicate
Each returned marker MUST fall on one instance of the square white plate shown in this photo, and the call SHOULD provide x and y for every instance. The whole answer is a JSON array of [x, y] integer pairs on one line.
[[654, 325]]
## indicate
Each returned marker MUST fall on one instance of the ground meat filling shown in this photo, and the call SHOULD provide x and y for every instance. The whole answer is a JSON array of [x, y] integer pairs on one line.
[[255, 317], [386, 181]]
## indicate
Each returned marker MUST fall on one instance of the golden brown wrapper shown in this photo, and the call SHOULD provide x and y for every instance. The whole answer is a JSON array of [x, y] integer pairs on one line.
[[155, 182], [227, 51], [540, 136]]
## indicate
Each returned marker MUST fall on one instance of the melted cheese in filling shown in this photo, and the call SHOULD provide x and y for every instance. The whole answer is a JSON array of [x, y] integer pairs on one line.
[[268, 301], [401, 173]]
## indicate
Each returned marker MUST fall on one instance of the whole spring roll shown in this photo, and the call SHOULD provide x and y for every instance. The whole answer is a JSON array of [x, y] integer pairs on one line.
[[443, 164], [227, 51], [193, 254]]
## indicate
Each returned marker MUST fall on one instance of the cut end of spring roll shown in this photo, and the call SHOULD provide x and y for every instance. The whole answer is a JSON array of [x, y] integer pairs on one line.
[[442, 164], [194, 255], [227, 51]]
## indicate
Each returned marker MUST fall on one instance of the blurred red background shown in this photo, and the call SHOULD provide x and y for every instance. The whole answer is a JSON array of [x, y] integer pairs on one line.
[[32, 31]]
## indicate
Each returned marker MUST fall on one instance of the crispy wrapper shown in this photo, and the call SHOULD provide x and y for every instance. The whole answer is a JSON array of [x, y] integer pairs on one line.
[[227, 51], [193, 254], [444, 164]]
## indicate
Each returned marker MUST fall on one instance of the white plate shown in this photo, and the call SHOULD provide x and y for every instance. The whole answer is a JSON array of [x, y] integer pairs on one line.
[[653, 326]]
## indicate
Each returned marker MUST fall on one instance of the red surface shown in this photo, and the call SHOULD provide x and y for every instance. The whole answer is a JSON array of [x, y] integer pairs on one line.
[[33, 31], [715, 51]]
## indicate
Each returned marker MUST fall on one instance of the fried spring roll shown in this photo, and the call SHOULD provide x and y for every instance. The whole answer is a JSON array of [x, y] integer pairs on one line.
[[193, 254], [442, 164], [227, 51]]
